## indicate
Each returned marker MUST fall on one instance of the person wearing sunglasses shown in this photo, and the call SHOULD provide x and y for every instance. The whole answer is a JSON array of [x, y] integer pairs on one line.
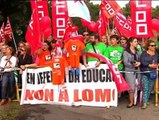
[[23, 59], [86, 37], [149, 62]]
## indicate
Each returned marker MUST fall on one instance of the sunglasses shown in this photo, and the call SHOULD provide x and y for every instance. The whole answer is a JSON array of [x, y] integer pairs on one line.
[[152, 45]]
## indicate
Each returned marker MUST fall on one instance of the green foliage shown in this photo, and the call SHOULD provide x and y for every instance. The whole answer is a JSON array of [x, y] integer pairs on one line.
[[19, 14], [126, 10], [94, 11], [155, 12]]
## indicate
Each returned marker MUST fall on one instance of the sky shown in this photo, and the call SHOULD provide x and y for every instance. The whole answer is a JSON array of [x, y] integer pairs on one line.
[[123, 2]]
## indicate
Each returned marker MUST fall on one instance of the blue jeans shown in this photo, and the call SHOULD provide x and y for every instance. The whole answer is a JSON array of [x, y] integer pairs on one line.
[[8, 81], [148, 85]]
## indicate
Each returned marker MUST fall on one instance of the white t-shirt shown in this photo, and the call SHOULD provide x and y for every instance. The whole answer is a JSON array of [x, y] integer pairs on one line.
[[12, 63]]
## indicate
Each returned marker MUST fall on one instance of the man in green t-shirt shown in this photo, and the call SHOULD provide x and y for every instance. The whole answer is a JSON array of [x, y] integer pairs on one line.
[[95, 46], [115, 52]]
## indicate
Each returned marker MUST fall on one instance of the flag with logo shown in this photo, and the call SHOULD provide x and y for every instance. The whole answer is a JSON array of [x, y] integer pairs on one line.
[[2, 33], [8, 31], [109, 8], [141, 15], [123, 24]]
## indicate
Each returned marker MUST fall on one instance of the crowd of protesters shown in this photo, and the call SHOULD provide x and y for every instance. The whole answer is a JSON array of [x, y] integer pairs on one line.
[[130, 55]]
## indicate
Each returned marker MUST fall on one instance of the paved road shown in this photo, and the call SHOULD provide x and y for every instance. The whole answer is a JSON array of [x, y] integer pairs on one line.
[[58, 112]]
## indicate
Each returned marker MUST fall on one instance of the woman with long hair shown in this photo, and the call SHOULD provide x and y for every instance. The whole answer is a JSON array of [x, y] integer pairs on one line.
[[8, 62], [131, 62]]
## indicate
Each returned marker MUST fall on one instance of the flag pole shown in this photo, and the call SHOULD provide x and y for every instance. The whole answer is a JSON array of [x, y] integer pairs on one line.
[[156, 91], [14, 42]]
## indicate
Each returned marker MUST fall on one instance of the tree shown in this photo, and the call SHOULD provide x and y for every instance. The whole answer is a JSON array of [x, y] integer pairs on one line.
[[19, 14], [126, 10], [155, 12]]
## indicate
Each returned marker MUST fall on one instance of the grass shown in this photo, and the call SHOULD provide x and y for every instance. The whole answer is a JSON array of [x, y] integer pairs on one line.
[[10, 111]]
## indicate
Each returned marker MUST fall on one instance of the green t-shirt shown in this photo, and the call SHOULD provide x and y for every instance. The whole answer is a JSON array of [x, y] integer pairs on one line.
[[115, 54], [157, 43], [100, 49]]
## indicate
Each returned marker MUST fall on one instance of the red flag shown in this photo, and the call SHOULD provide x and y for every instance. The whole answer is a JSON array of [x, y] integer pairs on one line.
[[109, 8], [39, 24], [2, 33], [123, 25], [41, 7], [141, 15], [103, 24], [59, 17], [8, 31], [33, 36]]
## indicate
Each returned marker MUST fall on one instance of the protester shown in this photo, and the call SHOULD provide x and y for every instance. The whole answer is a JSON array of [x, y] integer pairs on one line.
[[43, 56], [52, 46], [8, 62], [3, 50], [23, 59], [49, 39], [94, 46], [149, 62], [20, 45], [115, 52], [86, 37], [131, 60], [104, 40], [123, 41]]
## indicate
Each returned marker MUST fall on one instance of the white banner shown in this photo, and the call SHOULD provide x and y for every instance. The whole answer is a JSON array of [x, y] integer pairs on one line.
[[94, 87]]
